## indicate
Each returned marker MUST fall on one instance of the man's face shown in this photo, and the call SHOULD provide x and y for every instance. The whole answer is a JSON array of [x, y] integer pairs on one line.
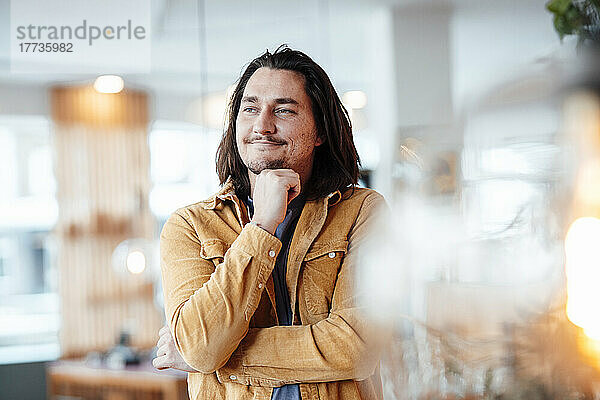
[[275, 127]]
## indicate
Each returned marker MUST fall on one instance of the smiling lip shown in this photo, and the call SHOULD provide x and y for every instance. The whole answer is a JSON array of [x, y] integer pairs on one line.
[[266, 142]]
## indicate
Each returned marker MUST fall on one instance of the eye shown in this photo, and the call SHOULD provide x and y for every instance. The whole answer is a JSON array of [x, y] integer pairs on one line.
[[285, 111], [249, 110]]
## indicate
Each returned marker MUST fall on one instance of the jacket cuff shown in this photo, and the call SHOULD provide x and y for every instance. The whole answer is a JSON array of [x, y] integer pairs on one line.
[[263, 248], [258, 243], [235, 372]]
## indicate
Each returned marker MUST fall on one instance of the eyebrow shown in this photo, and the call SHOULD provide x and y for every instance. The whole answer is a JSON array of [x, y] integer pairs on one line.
[[279, 100]]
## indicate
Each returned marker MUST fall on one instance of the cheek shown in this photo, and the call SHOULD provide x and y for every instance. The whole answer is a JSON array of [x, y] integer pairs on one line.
[[239, 136], [303, 147], [304, 144]]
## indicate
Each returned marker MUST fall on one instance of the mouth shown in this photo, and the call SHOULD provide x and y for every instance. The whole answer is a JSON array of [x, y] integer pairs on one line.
[[266, 143]]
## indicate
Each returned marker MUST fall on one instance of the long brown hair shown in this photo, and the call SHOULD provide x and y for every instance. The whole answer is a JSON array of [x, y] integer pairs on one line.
[[336, 162]]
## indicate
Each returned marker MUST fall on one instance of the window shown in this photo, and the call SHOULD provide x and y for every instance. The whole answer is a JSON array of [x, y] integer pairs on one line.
[[182, 163], [29, 306]]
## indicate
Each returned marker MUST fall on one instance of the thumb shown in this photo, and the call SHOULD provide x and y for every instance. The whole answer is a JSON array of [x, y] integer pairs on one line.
[[293, 192]]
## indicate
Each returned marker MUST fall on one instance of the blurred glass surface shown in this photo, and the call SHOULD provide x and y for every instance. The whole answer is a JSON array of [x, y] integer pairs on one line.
[[582, 127], [182, 164], [29, 304], [469, 261], [474, 233]]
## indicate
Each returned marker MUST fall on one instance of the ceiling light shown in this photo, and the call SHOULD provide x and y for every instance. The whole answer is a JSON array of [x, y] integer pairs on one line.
[[136, 262], [355, 98], [108, 84]]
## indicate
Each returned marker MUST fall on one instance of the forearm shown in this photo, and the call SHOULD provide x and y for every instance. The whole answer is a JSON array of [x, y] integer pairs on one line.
[[209, 319], [337, 348]]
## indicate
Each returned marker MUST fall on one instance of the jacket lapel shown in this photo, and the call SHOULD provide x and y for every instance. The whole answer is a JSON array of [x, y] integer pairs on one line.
[[309, 225]]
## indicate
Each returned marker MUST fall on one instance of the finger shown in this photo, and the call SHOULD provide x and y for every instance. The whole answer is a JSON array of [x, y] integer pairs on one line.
[[292, 194], [165, 329], [293, 190], [291, 179], [288, 176], [283, 172], [162, 350], [161, 363], [162, 340]]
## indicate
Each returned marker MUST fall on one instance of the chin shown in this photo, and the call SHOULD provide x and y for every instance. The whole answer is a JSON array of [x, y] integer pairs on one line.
[[257, 166]]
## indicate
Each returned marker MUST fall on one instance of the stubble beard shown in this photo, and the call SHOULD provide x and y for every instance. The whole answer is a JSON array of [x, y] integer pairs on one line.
[[257, 166]]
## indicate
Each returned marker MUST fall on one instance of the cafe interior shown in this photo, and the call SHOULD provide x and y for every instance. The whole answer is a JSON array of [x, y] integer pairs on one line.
[[478, 120]]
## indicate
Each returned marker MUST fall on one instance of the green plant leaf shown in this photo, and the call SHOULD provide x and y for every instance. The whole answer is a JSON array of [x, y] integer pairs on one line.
[[574, 16], [558, 6], [560, 26]]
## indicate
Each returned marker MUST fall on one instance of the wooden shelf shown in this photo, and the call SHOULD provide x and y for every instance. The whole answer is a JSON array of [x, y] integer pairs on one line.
[[76, 379]]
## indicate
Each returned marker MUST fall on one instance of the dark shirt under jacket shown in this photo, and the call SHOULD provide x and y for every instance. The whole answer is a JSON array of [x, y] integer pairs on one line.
[[284, 232]]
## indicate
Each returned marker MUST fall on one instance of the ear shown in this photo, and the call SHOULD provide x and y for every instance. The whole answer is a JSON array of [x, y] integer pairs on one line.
[[319, 141]]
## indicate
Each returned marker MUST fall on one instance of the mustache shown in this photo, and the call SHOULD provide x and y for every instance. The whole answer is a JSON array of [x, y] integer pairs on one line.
[[274, 140]]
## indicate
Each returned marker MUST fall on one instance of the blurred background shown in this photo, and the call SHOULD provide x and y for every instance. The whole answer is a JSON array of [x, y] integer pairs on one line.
[[472, 117]]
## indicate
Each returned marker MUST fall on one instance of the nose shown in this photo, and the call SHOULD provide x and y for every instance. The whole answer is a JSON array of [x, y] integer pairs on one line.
[[264, 124]]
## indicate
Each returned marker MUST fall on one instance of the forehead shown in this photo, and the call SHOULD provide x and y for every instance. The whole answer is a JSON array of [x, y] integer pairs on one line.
[[269, 84]]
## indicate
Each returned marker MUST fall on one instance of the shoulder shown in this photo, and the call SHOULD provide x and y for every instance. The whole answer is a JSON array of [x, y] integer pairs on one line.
[[200, 213], [358, 213], [210, 205], [195, 210], [361, 198], [354, 206]]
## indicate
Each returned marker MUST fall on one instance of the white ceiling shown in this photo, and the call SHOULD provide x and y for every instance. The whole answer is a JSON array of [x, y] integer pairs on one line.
[[329, 31], [332, 32]]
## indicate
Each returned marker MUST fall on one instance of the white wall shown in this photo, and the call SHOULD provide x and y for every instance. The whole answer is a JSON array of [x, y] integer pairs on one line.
[[494, 41]]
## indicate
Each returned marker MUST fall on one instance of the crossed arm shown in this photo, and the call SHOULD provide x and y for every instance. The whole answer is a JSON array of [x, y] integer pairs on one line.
[[209, 308]]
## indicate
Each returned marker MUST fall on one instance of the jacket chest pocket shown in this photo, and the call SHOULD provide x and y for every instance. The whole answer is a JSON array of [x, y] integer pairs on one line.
[[319, 274], [213, 250]]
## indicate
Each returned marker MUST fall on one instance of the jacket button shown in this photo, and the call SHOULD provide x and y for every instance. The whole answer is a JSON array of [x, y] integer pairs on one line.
[[232, 377], [260, 285], [272, 253], [332, 255]]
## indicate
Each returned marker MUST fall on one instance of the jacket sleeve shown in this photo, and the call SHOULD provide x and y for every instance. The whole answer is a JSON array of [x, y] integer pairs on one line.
[[208, 308], [345, 345]]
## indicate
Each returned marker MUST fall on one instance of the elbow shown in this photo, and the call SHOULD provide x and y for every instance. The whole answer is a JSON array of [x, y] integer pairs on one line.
[[352, 367], [363, 368], [205, 354], [205, 364], [362, 363], [202, 356], [365, 355], [355, 353]]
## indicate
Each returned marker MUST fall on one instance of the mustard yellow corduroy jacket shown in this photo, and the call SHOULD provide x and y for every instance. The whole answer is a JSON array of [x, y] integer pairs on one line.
[[220, 300]]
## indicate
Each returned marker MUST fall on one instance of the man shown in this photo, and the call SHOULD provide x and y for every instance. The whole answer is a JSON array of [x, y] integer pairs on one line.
[[259, 278]]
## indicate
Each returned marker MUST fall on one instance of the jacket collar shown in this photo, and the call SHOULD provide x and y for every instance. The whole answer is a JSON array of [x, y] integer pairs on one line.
[[227, 192]]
